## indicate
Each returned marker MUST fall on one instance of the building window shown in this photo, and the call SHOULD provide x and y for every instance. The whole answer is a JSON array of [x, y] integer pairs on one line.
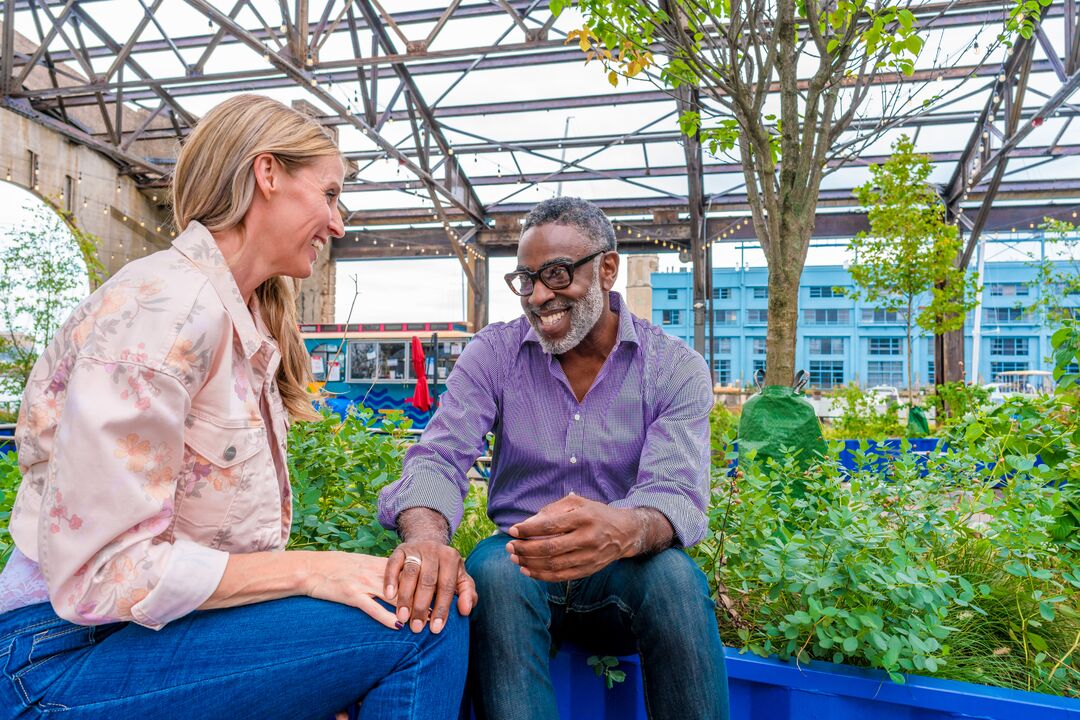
[[759, 345], [363, 357], [930, 368], [1005, 315], [827, 316], [671, 317], [879, 315], [760, 293], [721, 345], [722, 370], [826, 345], [826, 291], [1009, 346], [726, 317], [69, 193], [32, 173], [886, 346], [1008, 290], [996, 368], [826, 373], [673, 294], [757, 317], [758, 364], [721, 293], [885, 372]]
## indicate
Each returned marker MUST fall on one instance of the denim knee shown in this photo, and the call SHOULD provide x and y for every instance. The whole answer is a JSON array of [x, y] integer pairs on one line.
[[669, 582]]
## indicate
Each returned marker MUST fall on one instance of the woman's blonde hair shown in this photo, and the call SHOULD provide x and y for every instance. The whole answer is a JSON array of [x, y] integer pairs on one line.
[[214, 183]]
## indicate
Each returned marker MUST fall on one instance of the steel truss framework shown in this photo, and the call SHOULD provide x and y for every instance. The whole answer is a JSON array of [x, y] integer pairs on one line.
[[368, 69]]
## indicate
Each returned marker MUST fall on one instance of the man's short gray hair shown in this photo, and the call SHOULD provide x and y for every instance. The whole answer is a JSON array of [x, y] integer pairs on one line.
[[577, 213]]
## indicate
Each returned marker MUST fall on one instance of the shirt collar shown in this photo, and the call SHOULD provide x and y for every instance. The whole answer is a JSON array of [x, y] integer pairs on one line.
[[627, 331], [198, 245]]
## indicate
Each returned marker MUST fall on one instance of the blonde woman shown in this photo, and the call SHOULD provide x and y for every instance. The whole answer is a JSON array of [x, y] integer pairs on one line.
[[149, 577]]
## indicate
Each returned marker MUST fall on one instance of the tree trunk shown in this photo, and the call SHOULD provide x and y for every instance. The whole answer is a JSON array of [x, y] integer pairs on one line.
[[786, 260]]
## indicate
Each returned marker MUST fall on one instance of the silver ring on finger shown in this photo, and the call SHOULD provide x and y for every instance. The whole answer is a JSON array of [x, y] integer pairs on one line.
[[412, 559]]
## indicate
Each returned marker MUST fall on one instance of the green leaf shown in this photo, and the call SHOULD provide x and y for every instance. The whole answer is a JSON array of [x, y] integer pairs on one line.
[[850, 644]]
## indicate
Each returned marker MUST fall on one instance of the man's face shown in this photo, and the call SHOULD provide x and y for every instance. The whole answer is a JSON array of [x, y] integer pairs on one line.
[[561, 318]]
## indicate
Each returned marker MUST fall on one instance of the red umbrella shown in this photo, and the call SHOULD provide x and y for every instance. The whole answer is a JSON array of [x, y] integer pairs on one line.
[[421, 399]]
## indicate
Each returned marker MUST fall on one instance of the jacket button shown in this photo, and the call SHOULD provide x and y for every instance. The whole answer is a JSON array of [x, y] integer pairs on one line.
[[230, 453]]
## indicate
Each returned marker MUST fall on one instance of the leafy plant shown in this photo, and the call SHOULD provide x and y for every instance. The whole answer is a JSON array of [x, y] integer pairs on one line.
[[905, 264], [862, 417], [960, 399], [9, 487], [43, 275], [723, 426], [337, 468], [1057, 274], [607, 668], [931, 574]]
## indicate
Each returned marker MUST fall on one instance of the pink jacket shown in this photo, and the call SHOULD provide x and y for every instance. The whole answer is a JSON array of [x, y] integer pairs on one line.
[[152, 444]]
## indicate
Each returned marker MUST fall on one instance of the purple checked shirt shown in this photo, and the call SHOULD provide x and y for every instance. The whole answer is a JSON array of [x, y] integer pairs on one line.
[[640, 437]]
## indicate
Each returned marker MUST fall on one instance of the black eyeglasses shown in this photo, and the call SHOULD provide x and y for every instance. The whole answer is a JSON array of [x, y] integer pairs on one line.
[[555, 275]]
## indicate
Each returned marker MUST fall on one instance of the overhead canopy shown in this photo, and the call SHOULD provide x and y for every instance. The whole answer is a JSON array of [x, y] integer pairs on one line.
[[460, 116]]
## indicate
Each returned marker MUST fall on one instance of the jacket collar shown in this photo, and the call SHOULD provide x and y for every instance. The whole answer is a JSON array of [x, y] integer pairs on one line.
[[198, 245]]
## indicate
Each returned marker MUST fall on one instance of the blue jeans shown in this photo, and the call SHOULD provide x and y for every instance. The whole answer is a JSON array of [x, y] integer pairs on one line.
[[291, 658], [659, 607]]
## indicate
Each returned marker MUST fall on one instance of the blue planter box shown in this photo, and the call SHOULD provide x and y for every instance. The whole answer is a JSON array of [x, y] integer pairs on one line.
[[768, 689]]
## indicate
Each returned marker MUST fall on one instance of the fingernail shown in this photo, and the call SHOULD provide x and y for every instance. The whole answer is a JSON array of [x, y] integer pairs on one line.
[[416, 625], [436, 625], [403, 614], [515, 559], [390, 591], [398, 625], [525, 572]]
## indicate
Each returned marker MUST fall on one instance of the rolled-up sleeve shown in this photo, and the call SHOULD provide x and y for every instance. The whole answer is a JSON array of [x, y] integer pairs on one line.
[[104, 545], [673, 475], [434, 473]]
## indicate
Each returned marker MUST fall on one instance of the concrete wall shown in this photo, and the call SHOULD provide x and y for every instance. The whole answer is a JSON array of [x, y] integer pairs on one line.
[[125, 221], [639, 270]]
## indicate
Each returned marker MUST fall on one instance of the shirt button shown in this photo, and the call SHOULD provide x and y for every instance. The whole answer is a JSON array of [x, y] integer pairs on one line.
[[577, 416], [230, 453], [573, 459]]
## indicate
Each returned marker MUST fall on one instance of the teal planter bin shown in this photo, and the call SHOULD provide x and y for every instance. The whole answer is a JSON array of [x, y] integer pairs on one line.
[[768, 689]]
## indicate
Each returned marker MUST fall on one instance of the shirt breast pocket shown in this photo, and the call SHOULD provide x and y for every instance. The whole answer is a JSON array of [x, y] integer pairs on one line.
[[222, 450]]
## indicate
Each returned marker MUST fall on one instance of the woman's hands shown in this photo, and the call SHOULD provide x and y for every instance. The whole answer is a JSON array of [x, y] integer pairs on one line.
[[349, 579]]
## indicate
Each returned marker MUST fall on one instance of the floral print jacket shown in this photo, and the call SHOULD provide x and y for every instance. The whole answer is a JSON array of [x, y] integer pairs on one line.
[[151, 442]]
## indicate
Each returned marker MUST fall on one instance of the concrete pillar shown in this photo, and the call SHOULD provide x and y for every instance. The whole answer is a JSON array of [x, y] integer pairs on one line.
[[639, 270], [104, 203]]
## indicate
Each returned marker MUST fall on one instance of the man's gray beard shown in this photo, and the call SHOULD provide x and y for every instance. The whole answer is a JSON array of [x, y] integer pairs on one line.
[[584, 315]]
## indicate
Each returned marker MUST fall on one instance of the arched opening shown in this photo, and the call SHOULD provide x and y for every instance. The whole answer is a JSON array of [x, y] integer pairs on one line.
[[44, 274]]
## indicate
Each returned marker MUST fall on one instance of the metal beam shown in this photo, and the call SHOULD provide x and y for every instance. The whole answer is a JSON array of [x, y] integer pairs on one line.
[[644, 173], [431, 240]]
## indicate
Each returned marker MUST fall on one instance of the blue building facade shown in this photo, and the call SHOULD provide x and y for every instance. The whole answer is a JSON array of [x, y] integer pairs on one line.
[[843, 341]]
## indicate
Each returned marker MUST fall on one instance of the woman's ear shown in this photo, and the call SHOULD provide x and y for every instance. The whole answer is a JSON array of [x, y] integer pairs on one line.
[[267, 174]]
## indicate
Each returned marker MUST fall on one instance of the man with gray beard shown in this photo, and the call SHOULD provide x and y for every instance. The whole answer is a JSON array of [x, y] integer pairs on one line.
[[599, 479]]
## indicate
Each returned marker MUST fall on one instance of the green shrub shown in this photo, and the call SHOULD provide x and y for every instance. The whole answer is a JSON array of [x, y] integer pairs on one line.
[[961, 399], [938, 574], [9, 486], [723, 427], [860, 417]]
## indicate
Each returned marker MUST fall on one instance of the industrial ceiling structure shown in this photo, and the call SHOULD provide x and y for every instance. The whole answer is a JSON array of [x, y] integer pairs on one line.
[[459, 115]]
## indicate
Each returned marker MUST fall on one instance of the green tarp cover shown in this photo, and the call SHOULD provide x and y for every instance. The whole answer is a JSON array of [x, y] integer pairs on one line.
[[917, 424], [779, 417]]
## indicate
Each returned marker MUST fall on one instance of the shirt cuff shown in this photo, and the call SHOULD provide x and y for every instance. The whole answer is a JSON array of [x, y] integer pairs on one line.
[[688, 521], [192, 574], [435, 493]]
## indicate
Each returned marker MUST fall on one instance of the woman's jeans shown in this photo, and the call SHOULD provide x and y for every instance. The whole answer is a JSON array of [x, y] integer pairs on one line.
[[657, 606], [286, 659]]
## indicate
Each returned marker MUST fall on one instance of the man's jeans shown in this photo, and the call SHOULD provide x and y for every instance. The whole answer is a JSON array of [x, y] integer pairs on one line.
[[281, 660], [659, 607]]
